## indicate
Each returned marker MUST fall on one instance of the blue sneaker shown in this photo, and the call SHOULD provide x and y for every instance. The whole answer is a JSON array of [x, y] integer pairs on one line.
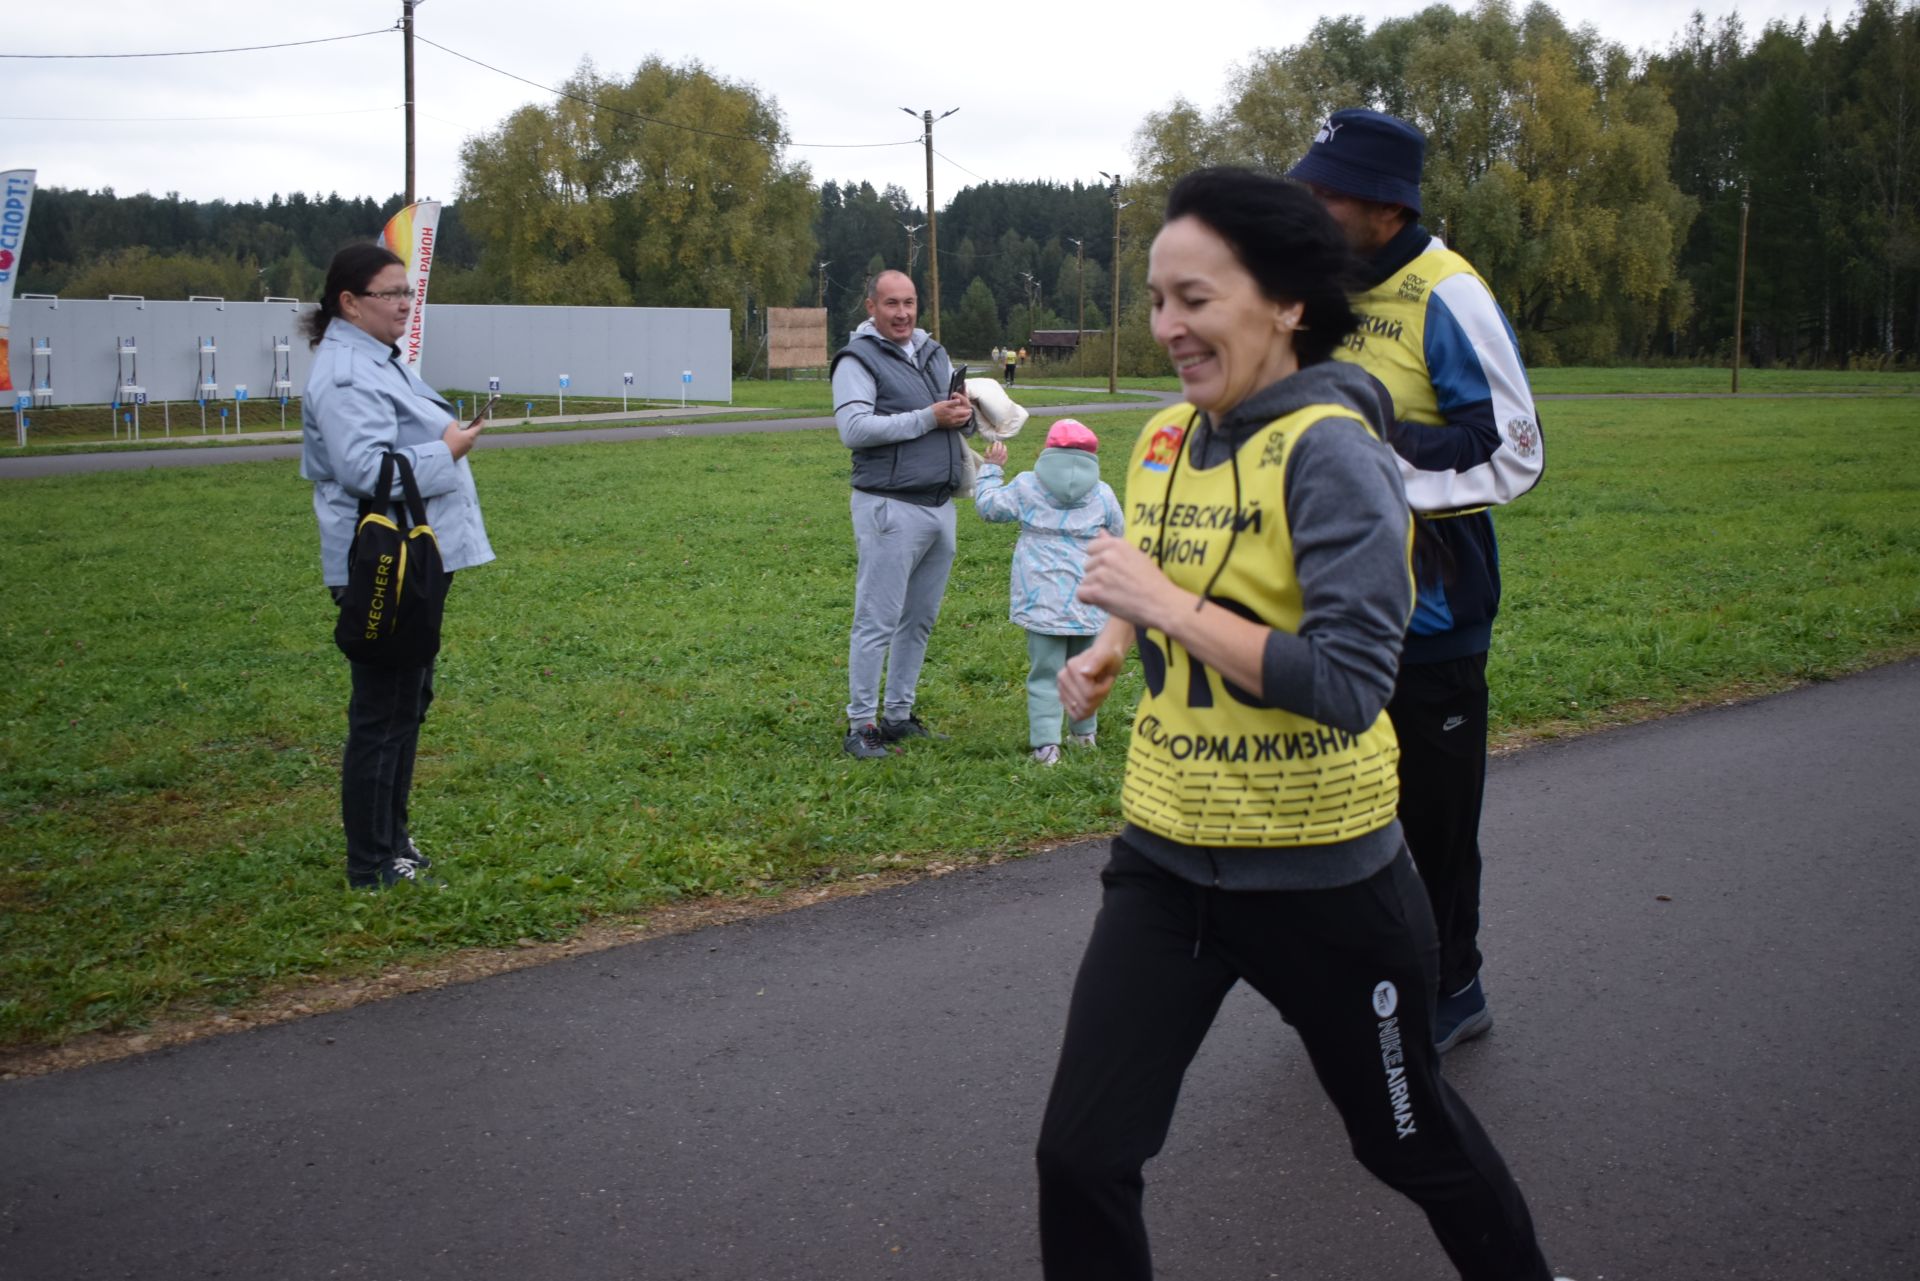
[[1461, 1017]]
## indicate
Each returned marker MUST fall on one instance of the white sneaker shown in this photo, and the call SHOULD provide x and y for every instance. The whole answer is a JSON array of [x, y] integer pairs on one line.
[[1048, 754], [1080, 740]]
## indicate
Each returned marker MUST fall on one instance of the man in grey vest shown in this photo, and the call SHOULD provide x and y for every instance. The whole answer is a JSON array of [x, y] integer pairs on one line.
[[894, 411]]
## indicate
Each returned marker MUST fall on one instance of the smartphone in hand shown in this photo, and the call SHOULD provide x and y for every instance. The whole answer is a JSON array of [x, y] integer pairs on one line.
[[485, 410], [958, 385]]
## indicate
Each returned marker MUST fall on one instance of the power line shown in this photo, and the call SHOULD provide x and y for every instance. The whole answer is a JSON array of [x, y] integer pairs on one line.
[[193, 53], [957, 165], [654, 120]]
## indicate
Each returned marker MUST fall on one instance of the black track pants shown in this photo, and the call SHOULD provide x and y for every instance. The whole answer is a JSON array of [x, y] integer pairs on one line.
[[1351, 969], [1439, 714]]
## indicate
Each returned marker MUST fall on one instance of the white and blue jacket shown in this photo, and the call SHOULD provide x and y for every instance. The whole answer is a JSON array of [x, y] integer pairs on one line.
[[1061, 504]]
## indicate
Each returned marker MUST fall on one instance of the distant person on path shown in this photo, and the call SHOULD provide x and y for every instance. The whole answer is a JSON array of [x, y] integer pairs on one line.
[[1264, 577], [1010, 359], [1061, 505], [362, 402], [1468, 438], [897, 411]]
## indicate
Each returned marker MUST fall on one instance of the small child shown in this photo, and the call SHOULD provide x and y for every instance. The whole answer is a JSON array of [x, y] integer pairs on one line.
[[1061, 504]]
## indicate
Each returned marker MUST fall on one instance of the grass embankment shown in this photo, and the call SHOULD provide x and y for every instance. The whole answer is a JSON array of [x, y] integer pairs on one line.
[[641, 701]]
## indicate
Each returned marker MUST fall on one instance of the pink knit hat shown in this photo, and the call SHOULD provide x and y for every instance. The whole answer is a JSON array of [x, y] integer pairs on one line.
[[1071, 433]]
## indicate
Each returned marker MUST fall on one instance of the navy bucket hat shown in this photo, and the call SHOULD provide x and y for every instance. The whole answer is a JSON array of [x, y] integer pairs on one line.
[[1368, 155]]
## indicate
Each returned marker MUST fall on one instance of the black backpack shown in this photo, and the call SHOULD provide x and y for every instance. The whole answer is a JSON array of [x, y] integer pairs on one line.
[[396, 584]]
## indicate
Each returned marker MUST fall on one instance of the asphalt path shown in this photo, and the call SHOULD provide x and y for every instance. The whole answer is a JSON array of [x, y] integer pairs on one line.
[[1702, 964], [129, 459]]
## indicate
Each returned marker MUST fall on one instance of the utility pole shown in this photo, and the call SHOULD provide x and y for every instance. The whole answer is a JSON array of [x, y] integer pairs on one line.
[[1080, 273], [406, 32], [820, 294], [1031, 291], [1113, 320], [1740, 288], [933, 229]]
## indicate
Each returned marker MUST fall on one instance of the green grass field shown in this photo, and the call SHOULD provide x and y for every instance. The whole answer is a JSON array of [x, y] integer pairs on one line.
[[640, 702]]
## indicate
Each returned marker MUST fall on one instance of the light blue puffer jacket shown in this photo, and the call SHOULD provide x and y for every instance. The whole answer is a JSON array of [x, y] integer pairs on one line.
[[1061, 504]]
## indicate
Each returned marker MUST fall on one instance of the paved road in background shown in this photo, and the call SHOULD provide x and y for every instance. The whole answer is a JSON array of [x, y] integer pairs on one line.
[[502, 437], [1702, 962]]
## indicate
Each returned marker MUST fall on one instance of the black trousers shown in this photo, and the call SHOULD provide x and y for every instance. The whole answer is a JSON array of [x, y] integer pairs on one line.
[[1439, 714], [384, 713], [1351, 969]]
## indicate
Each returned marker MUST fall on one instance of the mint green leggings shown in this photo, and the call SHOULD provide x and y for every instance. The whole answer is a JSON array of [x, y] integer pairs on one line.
[[1046, 655]]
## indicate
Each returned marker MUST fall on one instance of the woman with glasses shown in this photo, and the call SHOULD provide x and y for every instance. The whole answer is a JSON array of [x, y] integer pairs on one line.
[[361, 402], [1264, 580]]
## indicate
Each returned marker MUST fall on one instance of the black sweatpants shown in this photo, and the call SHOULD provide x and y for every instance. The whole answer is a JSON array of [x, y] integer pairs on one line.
[[1351, 969], [1439, 714]]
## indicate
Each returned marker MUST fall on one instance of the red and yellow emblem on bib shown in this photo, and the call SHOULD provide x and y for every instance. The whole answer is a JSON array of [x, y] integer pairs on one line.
[[1164, 447]]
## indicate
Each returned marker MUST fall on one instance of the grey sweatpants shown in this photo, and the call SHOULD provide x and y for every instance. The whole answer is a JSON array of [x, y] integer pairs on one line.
[[906, 551]]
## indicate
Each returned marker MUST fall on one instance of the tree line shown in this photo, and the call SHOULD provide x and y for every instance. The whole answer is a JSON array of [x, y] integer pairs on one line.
[[1600, 192]]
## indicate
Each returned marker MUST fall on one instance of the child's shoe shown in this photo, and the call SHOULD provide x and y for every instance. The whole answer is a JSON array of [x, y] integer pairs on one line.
[[1080, 740], [1047, 754]]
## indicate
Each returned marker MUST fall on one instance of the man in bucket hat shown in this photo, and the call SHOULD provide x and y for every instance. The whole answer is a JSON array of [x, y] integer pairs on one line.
[[1467, 439]]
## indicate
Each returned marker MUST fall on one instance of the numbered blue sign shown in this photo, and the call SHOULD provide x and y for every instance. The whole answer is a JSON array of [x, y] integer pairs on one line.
[[686, 375], [565, 382], [239, 391], [627, 379], [140, 397], [493, 384], [24, 402]]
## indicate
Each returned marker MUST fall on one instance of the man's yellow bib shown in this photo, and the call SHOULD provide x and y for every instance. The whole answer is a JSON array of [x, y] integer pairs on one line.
[[1390, 343], [1207, 767]]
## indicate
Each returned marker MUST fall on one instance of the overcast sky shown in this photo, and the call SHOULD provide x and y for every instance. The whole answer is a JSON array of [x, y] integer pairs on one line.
[[1050, 91]]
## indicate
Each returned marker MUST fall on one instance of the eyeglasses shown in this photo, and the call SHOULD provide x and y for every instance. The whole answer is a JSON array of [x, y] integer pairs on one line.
[[391, 295]]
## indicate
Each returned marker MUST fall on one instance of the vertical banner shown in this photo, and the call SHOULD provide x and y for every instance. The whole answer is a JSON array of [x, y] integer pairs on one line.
[[410, 234], [16, 197]]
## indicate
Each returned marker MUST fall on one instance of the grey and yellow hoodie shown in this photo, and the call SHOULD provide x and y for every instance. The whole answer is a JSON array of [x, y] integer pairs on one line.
[[1289, 510]]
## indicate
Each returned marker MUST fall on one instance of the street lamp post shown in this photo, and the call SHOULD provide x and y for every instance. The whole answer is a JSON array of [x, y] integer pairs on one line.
[[1080, 275], [1113, 320], [913, 230], [1032, 291], [1740, 288]]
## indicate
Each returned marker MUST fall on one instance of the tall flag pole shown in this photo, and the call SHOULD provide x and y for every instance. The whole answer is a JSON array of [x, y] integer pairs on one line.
[[16, 198], [410, 234]]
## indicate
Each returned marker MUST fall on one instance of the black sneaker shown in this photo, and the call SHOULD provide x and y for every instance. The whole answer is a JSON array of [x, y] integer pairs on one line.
[[895, 731], [411, 871], [420, 860], [400, 870], [1461, 1017], [865, 743]]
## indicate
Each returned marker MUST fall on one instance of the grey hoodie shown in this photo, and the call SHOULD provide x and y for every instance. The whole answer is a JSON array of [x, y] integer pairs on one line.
[[1347, 516]]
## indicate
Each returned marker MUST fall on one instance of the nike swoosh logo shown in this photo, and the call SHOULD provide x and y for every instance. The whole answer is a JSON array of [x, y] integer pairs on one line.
[[1453, 722]]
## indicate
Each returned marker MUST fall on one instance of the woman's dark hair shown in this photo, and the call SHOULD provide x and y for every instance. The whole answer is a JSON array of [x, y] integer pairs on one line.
[[1288, 243], [351, 271]]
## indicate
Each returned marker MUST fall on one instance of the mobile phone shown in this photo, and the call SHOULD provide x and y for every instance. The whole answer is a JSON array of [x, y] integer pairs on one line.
[[485, 409], [959, 383]]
